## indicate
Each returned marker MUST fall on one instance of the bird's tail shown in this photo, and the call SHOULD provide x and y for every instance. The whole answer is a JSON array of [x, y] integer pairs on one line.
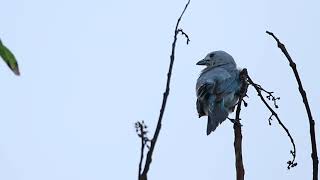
[[217, 113]]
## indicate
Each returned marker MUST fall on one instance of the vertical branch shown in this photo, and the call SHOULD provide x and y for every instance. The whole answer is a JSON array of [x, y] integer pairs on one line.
[[143, 175], [237, 127], [141, 155], [142, 133], [314, 155]]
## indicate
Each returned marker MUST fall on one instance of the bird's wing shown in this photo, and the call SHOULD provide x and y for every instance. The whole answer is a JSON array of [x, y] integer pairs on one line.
[[229, 83], [203, 92], [205, 89], [229, 89], [216, 81], [221, 101], [208, 84], [214, 89]]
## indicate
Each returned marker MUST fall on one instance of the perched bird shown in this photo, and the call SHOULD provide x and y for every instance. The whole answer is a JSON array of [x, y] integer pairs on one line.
[[217, 88]]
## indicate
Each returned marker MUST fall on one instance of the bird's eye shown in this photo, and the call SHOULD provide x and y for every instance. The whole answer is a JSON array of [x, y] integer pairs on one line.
[[211, 55]]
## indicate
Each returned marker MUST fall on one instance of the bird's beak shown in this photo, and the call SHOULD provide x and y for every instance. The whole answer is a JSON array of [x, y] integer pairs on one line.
[[202, 62]]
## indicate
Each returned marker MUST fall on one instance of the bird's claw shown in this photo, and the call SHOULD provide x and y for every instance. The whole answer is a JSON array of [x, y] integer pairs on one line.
[[234, 120]]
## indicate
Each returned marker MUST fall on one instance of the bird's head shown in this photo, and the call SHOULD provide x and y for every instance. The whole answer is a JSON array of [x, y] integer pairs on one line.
[[217, 58]]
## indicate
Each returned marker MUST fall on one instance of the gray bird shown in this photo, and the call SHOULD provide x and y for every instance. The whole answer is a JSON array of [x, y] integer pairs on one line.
[[217, 88]]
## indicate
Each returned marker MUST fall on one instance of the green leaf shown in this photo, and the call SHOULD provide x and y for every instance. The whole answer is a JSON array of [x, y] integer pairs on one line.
[[9, 58]]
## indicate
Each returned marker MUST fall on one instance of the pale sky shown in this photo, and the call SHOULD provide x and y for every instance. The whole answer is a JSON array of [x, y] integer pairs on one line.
[[90, 69]]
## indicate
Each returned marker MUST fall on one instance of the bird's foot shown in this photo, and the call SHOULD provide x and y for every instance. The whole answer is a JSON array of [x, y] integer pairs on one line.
[[235, 121], [232, 120]]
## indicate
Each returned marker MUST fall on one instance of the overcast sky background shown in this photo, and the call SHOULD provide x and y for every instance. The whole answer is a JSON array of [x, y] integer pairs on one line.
[[90, 69]]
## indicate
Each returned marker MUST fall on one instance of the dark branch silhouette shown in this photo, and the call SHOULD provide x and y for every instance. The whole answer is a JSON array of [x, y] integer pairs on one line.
[[259, 89], [237, 126], [143, 174], [141, 130], [314, 155], [270, 96]]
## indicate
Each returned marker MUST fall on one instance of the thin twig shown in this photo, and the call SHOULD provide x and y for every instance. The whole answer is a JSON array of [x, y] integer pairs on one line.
[[184, 34], [270, 96], [237, 127], [141, 131], [314, 155], [143, 175], [141, 156], [292, 162]]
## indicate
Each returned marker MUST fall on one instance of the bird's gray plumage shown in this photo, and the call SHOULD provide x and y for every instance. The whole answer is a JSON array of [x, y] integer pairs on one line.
[[217, 88]]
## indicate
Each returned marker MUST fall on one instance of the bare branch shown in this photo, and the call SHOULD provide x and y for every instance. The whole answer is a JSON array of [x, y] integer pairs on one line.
[[237, 126], [143, 175], [258, 88], [314, 155], [270, 96], [184, 34], [141, 130]]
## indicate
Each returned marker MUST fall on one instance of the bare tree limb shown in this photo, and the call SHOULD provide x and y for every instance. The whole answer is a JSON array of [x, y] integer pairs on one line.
[[258, 88], [143, 175], [237, 127], [314, 155]]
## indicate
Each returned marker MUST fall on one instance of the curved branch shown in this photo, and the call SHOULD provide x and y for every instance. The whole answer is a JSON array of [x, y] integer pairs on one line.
[[291, 163], [314, 155]]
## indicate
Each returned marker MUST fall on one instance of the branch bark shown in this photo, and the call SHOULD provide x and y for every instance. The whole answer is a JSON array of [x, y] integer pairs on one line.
[[237, 127], [314, 155]]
